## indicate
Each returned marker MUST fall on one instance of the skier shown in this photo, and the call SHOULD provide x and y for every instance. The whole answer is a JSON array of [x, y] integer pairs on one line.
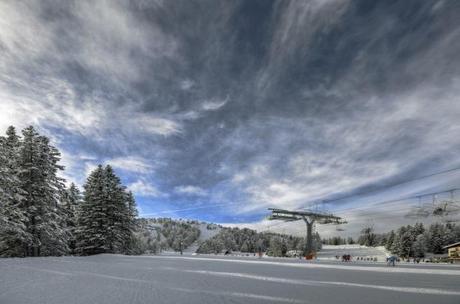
[[260, 252], [391, 260]]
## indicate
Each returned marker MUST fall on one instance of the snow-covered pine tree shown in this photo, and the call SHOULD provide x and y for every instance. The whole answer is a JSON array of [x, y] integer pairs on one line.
[[418, 229], [452, 234], [106, 216], [419, 247], [436, 238], [38, 168], [390, 240], [92, 221], [405, 243], [277, 247], [117, 211], [131, 243], [368, 237], [132, 210], [317, 241], [13, 234], [396, 247], [70, 203]]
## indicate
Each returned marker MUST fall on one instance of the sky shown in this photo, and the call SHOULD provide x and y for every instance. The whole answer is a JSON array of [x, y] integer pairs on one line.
[[217, 110]]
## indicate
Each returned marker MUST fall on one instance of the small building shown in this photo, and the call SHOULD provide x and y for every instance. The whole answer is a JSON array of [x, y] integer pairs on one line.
[[453, 252]]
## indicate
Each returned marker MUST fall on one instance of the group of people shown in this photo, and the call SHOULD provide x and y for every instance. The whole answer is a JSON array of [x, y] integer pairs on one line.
[[345, 257], [371, 259]]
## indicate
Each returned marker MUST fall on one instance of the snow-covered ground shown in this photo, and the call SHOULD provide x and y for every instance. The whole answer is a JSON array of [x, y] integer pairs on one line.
[[329, 252], [113, 279]]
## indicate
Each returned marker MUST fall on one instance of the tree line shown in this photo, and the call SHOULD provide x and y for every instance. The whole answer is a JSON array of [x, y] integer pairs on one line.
[[251, 241], [337, 240], [40, 216], [413, 241]]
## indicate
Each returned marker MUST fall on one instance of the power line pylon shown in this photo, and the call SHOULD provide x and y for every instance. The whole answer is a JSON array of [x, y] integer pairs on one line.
[[309, 218]]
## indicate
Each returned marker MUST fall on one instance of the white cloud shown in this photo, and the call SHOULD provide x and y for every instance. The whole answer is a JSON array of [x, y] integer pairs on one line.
[[47, 101], [143, 188], [348, 162], [214, 104], [24, 37], [157, 125], [296, 29], [106, 34], [53, 102], [186, 84], [72, 172], [191, 190], [102, 42], [132, 164]]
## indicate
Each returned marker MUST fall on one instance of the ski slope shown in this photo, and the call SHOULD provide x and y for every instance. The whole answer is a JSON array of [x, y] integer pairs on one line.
[[329, 252], [205, 234], [117, 279]]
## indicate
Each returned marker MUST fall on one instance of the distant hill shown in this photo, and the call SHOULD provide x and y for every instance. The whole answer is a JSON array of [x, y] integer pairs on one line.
[[155, 235], [165, 234]]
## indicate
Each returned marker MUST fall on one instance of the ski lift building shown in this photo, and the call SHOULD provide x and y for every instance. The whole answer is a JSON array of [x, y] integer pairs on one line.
[[453, 252]]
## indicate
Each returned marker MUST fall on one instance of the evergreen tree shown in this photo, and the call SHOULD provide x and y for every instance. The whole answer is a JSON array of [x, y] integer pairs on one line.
[[419, 229], [390, 240], [71, 201], [106, 220], [436, 238], [130, 226], [38, 168], [118, 229], [277, 247], [452, 234], [397, 244], [13, 234], [419, 247], [92, 221], [317, 245], [368, 237], [405, 244]]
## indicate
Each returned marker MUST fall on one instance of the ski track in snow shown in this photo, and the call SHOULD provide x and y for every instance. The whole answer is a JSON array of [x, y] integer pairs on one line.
[[315, 265], [319, 283], [240, 295], [151, 282]]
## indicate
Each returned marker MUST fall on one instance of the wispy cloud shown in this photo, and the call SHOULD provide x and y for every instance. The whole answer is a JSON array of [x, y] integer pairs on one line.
[[214, 104], [143, 188], [190, 190], [186, 84], [131, 164]]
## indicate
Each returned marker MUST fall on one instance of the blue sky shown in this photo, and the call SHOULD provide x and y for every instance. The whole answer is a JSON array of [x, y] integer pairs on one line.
[[217, 110]]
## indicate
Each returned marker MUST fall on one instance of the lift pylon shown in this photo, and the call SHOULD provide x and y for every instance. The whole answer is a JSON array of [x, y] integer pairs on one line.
[[309, 218]]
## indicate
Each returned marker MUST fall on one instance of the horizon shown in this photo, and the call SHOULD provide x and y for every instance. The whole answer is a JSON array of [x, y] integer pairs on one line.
[[216, 111]]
